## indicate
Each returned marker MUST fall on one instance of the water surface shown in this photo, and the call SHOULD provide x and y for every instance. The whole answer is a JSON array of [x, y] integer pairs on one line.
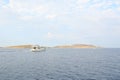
[[60, 64]]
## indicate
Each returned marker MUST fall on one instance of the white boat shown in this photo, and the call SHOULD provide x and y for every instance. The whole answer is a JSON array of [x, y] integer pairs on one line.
[[37, 48]]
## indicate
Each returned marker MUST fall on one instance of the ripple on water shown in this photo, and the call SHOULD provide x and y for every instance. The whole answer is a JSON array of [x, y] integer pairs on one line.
[[60, 64]]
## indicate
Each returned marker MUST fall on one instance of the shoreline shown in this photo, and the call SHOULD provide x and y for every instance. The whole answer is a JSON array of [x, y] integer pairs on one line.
[[58, 46]]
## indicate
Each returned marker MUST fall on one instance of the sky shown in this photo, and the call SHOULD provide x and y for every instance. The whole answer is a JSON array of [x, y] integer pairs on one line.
[[58, 22]]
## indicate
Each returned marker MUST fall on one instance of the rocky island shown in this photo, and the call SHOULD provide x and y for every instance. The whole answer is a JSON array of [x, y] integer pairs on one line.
[[20, 46], [77, 46], [60, 46]]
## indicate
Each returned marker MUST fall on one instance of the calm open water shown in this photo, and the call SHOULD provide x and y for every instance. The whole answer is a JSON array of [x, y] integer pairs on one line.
[[60, 64]]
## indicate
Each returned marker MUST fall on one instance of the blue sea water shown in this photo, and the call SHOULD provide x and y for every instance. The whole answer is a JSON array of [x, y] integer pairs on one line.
[[60, 64]]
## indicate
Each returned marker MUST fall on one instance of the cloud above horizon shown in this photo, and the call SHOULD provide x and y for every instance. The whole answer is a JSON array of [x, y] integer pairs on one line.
[[65, 21]]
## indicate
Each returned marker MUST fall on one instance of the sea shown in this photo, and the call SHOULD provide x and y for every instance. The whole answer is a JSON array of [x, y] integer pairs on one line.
[[60, 64]]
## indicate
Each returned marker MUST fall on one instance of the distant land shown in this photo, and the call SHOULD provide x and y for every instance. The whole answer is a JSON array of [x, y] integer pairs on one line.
[[20, 46], [59, 46], [77, 46]]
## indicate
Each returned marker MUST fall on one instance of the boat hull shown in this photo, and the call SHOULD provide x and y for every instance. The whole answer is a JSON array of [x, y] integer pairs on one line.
[[38, 50]]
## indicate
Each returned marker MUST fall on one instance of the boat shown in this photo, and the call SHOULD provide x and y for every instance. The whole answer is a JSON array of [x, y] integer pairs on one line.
[[37, 48]]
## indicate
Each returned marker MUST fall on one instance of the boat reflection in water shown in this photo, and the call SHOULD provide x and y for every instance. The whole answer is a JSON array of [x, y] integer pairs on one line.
[[37, 48]]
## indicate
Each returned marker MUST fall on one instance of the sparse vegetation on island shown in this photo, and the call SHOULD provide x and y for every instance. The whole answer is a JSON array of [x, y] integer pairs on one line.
[[77, 46], [20, 46], [59, 46]]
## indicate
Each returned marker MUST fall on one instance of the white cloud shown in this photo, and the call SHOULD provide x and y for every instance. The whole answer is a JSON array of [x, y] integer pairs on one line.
[[26, 9], [76, 20], [52, 16], [82, 4], [83, 1], [26, 18], [30, 9], [2, 2], [97, 5], [117, 2], [118, 8], [51, 35]]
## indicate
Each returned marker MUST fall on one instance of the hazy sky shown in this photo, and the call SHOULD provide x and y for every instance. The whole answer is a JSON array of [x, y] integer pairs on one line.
[[53, 22]]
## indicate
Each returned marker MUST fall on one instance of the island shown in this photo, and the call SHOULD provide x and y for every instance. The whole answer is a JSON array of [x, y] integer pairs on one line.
[[24, 46], [59, 46], [20, 46], [77, 46]]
